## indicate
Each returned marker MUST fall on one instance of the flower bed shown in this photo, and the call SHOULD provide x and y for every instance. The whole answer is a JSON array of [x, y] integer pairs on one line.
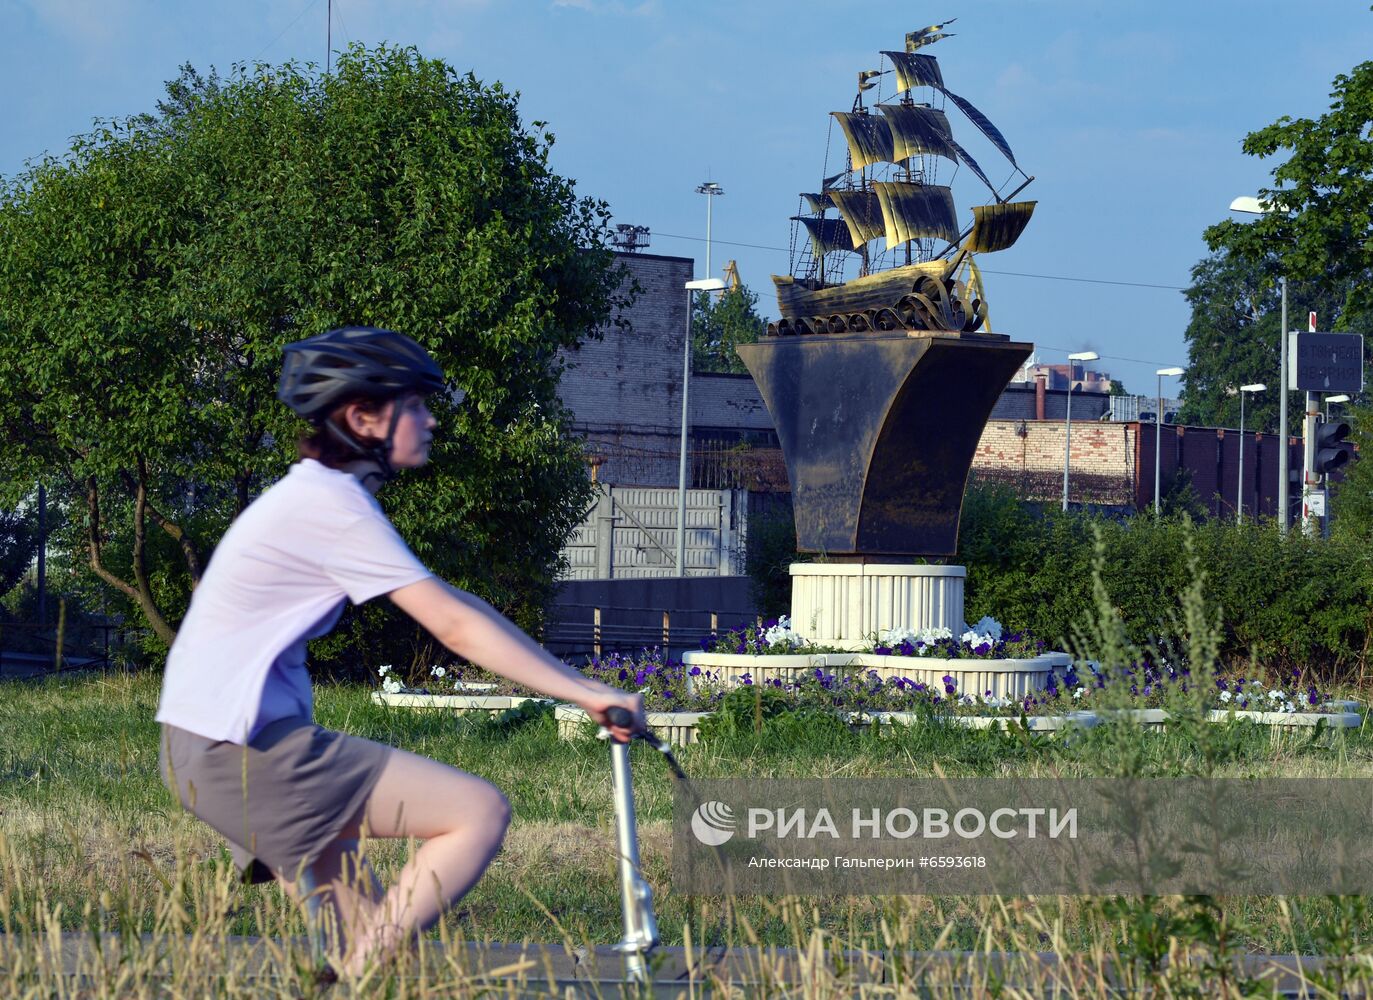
[[1011, 679], [973, 691], [677, 728], [490, 704]]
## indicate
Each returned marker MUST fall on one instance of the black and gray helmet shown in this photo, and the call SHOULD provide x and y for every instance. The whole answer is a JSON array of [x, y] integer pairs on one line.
[[322, 371], [350, 361]]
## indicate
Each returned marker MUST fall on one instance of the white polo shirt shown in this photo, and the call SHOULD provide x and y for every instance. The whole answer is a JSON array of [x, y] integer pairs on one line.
[[278, 578]]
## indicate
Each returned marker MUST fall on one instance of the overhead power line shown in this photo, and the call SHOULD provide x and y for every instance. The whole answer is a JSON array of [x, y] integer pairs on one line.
[[289, 25], [985, 270]]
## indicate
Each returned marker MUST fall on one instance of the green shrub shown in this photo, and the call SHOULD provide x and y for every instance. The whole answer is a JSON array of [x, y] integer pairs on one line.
[[1293, 602]]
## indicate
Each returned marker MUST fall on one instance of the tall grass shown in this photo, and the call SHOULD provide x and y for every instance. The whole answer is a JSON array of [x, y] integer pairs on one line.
[[107, 889]]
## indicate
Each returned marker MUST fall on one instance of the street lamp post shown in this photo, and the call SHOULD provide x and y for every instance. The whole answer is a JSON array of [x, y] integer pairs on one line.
[[1068, 417], [711, 190], [1239, 498], [1158, 435], [1341, 397], [1250, 205], [692, 287]]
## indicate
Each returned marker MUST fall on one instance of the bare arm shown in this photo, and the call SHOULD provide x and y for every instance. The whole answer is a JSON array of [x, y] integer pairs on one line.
[[475, 631]]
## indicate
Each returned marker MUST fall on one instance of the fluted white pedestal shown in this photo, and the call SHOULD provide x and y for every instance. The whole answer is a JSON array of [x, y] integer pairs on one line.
[[846, 604]]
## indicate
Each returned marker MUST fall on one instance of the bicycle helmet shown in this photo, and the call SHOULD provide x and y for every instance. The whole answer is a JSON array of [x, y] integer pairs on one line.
[[323, 370]]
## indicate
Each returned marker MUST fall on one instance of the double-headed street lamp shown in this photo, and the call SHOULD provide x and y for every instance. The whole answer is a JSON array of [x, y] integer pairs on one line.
[[1068, 417], [692, 287], [1158, 433], [1239, 498], [1250, 205], [712, 191]]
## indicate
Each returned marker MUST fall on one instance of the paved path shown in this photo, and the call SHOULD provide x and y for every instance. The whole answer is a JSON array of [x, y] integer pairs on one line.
[[543, 969]]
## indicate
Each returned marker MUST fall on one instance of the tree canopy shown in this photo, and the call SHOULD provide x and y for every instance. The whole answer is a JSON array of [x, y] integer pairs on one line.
[[720, 324], [1233, 339], [1319, 227], [152, 274]]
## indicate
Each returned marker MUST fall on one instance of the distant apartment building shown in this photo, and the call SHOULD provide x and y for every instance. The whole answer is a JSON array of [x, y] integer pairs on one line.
[[1058, 377]]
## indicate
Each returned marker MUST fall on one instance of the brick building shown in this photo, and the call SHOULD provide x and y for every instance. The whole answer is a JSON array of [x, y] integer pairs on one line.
[[1112, 464]]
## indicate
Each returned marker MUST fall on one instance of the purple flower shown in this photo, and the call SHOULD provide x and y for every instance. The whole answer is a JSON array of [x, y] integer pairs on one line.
[[695, 671], [906, 648], [882, 650]]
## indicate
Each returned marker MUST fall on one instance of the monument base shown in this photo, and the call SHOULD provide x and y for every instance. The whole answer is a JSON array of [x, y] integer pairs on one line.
[[845, 605]]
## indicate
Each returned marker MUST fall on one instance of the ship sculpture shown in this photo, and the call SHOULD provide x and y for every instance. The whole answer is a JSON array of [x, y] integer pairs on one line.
[[880, 382], [888, 211]]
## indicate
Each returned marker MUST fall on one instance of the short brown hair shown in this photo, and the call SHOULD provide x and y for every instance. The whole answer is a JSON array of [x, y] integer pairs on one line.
[[325, 447]]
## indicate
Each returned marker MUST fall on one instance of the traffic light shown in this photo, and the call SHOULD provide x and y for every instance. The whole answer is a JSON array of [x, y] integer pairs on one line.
[[1332, 448]]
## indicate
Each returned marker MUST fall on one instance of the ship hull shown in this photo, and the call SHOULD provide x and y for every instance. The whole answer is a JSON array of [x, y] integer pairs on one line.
[[797, 300]]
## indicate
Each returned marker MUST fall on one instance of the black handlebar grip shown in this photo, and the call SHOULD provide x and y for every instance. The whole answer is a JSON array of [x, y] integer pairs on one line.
[[621, 717]]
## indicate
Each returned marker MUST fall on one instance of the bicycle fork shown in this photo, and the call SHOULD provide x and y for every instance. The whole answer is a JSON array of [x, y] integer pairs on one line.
[[636, 895]]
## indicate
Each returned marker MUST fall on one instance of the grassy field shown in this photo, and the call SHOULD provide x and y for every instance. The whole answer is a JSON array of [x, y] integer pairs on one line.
[[90, 840]]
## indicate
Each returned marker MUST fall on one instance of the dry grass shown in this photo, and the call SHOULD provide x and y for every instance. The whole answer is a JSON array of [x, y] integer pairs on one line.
[[92, 849]]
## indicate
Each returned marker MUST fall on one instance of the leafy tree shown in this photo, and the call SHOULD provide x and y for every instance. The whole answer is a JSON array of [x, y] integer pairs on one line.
[[18, 546], [1351, 513], [152, 274], [1320, 229], [719, 325], [1118, 388], [1233, 339]]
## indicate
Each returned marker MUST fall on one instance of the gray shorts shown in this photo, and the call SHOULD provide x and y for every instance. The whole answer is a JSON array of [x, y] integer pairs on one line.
[[280, 800]]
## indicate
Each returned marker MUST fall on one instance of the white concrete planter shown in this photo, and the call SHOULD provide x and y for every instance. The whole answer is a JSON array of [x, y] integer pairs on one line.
[[1334, 719], [1035, 723], [734, 664], [1139, 716], [1003, 678], [677, 728], [488, 703]]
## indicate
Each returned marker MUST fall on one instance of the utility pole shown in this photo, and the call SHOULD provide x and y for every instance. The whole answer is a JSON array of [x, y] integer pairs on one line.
[[42, 553]]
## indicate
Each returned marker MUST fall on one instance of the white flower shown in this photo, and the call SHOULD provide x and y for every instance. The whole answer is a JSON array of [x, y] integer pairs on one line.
[[1079, 693], [438, 672], [782, 635], [1275, 695], [929, 636], [384, 669], [391, 686], [1225, 696], [893, 637]]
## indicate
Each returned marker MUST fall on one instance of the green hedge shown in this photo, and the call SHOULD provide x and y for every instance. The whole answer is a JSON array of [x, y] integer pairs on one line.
[[1291, 602]]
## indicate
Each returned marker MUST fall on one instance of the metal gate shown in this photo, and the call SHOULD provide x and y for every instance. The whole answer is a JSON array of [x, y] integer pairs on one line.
[[631, 532]]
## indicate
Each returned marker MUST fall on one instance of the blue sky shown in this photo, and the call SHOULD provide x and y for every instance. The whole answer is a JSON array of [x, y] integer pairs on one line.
[[1129, 114]]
